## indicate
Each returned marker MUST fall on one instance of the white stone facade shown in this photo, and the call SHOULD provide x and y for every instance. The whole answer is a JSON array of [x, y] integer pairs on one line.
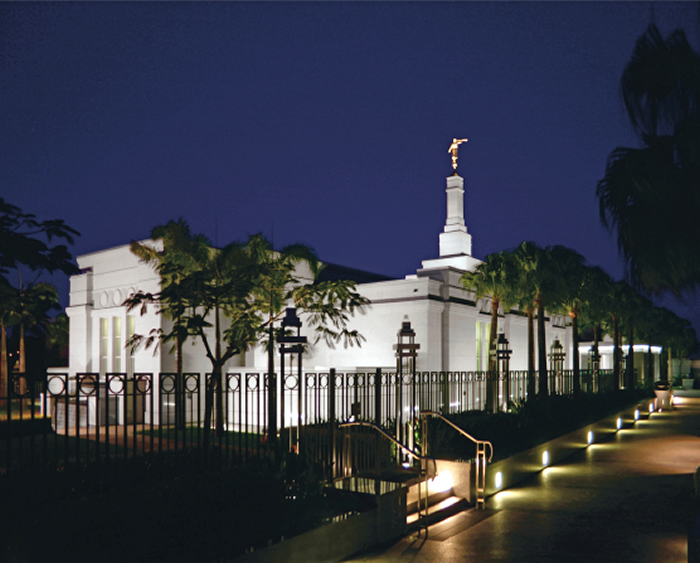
[[451, 329]]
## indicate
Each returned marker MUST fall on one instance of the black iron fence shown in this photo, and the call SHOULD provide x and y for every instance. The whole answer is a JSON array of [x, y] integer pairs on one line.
[[88, 418]]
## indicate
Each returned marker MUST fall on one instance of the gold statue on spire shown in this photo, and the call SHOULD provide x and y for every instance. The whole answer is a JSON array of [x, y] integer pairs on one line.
[[453, 149]]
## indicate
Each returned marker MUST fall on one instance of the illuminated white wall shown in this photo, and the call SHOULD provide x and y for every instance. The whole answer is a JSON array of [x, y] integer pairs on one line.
[[442, 313]]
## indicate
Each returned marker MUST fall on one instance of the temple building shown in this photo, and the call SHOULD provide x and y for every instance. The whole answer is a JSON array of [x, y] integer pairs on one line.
[[451, 327]]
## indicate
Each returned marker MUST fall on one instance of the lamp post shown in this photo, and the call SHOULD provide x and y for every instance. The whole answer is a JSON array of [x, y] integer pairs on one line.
[[291, 345], [502, 356], [556, 362], [594, 366], [406, 353]]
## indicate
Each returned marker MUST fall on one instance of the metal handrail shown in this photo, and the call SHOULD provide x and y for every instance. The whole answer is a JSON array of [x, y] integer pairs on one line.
[[462, 432], [422, 511], [388, 436], [481, 460]]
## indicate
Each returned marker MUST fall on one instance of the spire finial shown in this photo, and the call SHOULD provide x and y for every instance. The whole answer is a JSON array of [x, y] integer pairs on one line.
[[453, 149]]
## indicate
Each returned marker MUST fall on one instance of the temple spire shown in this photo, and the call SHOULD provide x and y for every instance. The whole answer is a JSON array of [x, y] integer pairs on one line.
[[455, 241]]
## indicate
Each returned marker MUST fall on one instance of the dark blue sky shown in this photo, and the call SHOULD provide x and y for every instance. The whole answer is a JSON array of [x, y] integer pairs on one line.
[[325, 123]]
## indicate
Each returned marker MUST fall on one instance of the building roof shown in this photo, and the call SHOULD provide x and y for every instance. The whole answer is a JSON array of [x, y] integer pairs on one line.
[[333, 272]]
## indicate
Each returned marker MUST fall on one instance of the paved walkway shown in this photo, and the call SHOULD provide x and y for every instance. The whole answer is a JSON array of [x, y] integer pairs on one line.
[[630, 499]]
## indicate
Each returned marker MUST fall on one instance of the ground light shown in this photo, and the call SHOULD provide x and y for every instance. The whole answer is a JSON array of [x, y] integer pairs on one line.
[[498, 477], [441, 483], [498, 481]]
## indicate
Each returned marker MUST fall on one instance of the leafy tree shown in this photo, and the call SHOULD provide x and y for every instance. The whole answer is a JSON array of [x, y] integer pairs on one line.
[[27, 242], [496, 277], [228, 298], [650, 195], [21, 242], [32, 306], [57, 337]]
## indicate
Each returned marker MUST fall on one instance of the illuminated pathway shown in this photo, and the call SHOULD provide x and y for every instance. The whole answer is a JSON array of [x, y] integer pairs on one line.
[[627, 500]]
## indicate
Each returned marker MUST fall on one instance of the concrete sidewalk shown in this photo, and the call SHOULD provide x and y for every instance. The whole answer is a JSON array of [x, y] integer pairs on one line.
[[630, 499]]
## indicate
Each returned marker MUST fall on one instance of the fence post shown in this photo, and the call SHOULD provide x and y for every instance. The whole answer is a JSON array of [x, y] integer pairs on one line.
[[331, 422], [378, 397]]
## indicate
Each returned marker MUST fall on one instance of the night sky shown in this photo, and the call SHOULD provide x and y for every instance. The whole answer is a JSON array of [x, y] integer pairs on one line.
[[322, 123]]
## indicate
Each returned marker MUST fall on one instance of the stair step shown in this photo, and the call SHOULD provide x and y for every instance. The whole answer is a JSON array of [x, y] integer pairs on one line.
[[439, 512], [433, 498]]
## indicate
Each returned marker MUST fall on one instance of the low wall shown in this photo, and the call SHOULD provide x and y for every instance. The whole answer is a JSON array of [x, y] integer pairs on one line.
[[462, 479], [338, 540], [523, 465]]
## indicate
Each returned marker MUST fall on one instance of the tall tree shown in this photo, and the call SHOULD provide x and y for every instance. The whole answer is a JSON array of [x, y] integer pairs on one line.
[[526, 304], [594, 312], [650, 195], [227, 298], [675, 334], [496, 277], [576, 290], [32, 307], [177, 254], [539, 278], [27, 242]]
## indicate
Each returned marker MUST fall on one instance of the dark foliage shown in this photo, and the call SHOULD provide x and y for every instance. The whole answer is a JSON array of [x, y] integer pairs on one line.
[[159, 509], [528, 424]]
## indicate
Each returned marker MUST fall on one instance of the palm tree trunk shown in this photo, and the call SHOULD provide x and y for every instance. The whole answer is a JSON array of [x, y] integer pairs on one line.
[[22, 365], [492, 375], [616, 352], [542, 350], [577, 364], [531, 385], [629, 368], [3, 361]]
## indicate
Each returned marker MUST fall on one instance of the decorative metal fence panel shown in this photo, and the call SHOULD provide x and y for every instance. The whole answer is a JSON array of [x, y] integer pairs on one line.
[[91, 417]]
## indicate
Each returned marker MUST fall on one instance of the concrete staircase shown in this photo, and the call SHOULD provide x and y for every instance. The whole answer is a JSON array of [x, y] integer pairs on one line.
[[441, 505]]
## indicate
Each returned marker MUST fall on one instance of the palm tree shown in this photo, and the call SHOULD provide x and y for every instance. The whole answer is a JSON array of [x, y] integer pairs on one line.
[[8, 297], [539, 278], [594, 311], [32, 306], [650, 195], [675, 334], [525, 296], [576, 290], [178, 255], [496, 277], [638, 316], [612, 309]]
